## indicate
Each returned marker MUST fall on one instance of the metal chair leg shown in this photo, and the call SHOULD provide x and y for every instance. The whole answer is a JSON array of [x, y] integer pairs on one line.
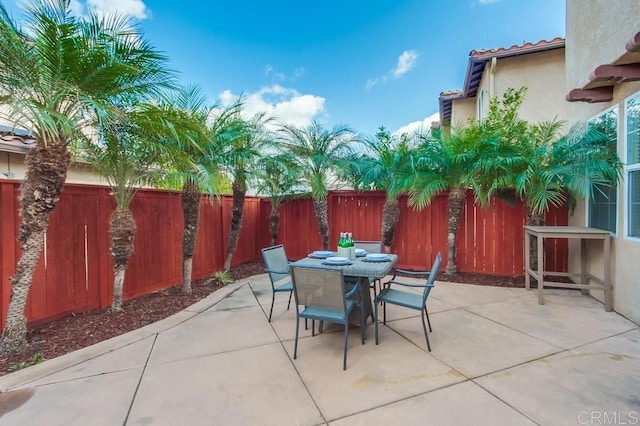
[[376, 322], [346, 341], [273, 299], [426, 335], [295, 346], [363, 324], [289, 304], [429, 322]]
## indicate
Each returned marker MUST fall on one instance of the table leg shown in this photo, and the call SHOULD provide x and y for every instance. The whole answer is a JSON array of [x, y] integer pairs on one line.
[[583, 265], [527, 259], [540, 269], [364, 300]]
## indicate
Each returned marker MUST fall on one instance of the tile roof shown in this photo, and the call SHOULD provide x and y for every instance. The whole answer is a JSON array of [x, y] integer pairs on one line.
[[521, 49], [15, 140], [475, 68]]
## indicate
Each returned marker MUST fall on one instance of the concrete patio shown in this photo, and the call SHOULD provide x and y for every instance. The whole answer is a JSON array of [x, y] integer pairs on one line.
[[498, 358]]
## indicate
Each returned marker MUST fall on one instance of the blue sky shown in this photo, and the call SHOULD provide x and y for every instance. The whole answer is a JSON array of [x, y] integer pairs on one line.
[[363, 63]]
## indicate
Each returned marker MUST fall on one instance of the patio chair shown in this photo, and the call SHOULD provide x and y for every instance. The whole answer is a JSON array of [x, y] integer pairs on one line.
[[371, 247], [320, 292], [408, 299], [277, 265]]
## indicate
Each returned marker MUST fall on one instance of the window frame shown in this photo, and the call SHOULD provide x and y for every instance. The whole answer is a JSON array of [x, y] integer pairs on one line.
[[588, 202], [627, 169]]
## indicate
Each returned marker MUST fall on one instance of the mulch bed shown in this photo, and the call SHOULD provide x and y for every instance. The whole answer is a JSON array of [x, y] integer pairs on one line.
[[80, 330]]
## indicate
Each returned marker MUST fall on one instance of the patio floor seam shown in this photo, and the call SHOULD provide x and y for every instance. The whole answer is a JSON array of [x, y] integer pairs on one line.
[[142, 373], [291, 361]]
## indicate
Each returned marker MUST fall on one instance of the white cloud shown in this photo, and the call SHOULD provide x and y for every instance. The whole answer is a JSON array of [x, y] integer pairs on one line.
[[372, 82], [77, 7], [418, 126], [280, 76], [286, 105], [133, 8], [406, 62]]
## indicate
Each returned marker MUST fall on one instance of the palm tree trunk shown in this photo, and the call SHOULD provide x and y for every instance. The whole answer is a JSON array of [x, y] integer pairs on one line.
[[320, 207], [191, 214], [274, 223], [457, 197], [534, 219], [40, 192], [390, 216], [122, 229], [236, 221]]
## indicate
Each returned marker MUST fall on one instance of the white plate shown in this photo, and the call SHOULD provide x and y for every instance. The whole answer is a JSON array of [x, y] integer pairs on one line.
[[360, 252], [377, 256], [320, 254], [337, 260]]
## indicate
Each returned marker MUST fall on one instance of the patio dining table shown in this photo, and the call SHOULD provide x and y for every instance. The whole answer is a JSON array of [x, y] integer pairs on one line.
[[359, 268]]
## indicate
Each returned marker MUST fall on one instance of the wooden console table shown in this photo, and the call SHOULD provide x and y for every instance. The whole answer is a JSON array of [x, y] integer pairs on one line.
[[570, 232]]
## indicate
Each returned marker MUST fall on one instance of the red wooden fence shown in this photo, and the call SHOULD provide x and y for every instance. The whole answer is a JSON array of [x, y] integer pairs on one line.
[[75, 271]]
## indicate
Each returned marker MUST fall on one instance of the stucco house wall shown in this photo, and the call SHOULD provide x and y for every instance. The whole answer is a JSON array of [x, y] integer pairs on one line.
[[543, 74], [12, 167], [462, 110], [597, 31]]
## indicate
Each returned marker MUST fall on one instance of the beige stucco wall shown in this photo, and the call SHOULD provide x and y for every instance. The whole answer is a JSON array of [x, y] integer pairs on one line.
[[542, 73], [597, 31], [461, 111], [78, 173]]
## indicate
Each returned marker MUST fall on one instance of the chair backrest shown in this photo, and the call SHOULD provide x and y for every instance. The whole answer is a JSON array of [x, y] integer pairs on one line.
[[319, 287], [435, 269], [275, 259], [369, 246]]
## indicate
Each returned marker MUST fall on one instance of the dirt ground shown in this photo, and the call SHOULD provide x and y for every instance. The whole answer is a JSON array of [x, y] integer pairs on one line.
[[80, 330]]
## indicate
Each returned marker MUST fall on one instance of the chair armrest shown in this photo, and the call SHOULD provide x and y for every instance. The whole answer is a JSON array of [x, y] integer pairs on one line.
[[353, 291], [411, 273], [273, 271], [392, 281]]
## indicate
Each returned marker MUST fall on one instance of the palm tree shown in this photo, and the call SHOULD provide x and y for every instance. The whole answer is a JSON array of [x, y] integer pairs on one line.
[[557, 170], [544, 168], [201, 173], [131, 152], [388, 167], [278, 179], [443, 161], [243, 142], [482, 156], [320, 154], [56, 78]]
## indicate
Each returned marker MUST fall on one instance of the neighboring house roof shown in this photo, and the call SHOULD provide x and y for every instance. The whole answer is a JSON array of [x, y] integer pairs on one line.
[[15, 140], [478, 59], [604, 77]]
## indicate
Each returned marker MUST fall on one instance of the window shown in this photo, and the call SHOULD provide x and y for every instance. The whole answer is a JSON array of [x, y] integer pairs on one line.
[[602, 209], [632, 164], [481, 106]]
